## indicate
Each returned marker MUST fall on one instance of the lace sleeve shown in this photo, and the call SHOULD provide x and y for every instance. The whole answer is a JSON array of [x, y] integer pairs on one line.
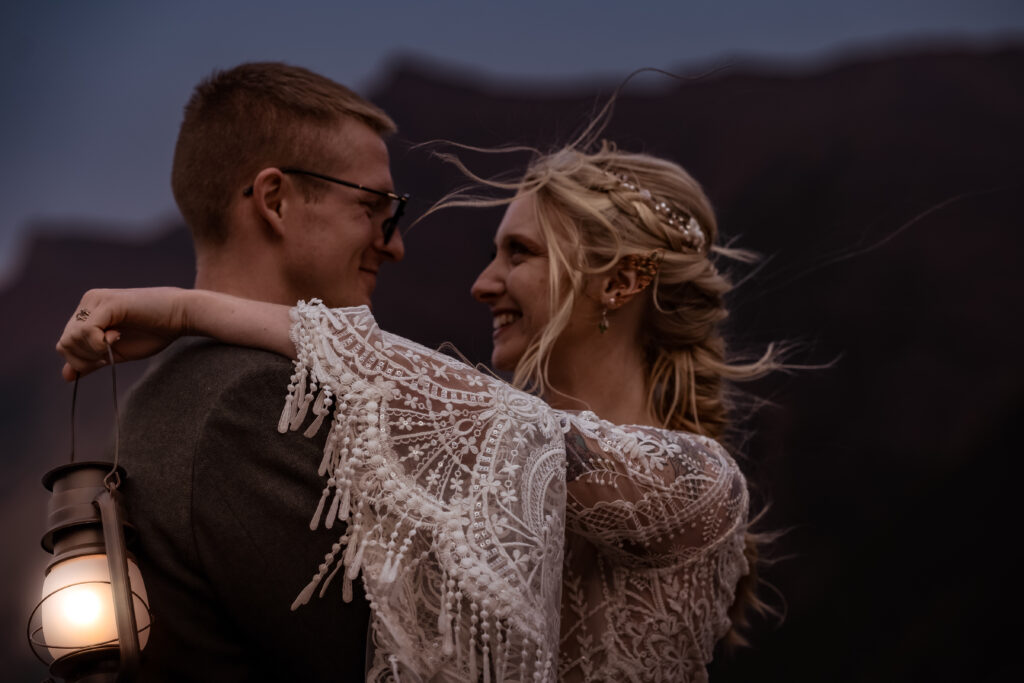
[[654, 549], [451, 485], [647, 496]]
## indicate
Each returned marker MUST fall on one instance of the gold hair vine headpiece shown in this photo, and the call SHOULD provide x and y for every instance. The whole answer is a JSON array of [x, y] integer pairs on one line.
[[687, 225]]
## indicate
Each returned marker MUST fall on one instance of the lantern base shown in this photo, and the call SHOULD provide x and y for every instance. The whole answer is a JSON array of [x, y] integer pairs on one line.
[[98, 665]]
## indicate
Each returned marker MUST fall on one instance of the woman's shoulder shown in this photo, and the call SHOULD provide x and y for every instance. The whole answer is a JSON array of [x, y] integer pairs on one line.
[[611, 434], [692, 465], [673, 495]]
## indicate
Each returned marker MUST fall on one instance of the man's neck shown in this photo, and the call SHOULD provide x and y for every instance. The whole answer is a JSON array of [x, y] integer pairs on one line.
[[247, 288], [247, 274]]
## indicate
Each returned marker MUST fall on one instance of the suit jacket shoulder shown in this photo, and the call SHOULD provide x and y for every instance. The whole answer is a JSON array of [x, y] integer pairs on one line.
[[222, 502]]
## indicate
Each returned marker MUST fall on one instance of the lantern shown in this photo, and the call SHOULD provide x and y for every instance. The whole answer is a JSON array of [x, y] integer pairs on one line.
[[93, 618]]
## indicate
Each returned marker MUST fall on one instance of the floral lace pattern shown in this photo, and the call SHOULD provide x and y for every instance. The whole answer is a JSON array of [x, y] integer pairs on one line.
[[499, 539]]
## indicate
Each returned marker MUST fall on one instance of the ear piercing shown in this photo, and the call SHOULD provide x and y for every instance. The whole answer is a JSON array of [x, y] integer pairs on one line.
[[603, 325]]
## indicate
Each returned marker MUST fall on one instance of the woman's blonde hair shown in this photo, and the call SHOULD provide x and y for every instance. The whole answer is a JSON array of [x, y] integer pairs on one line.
[[596, 207]]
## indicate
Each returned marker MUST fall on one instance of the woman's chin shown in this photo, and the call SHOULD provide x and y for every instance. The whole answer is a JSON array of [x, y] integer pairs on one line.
[[503, 362]]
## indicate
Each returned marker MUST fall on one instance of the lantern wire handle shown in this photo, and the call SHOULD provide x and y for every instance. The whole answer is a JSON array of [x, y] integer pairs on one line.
[[113, 479], [74, 400]]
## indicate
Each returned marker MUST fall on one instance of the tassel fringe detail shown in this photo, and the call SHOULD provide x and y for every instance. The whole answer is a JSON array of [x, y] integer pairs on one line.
[[401, 527]]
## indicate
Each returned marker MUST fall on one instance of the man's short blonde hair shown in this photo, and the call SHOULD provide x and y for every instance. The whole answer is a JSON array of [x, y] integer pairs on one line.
[[251, 117]]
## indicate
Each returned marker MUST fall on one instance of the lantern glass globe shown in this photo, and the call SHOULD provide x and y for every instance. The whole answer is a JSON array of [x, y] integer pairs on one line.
[[78, 606]]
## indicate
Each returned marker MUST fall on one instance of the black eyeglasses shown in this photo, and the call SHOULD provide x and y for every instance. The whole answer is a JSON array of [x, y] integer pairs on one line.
[[395, 210]]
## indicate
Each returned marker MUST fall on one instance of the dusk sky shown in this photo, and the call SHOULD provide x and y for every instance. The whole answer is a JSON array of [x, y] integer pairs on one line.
[[93, 91]]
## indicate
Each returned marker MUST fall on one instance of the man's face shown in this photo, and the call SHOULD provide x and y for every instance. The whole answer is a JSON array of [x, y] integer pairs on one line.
[[336, 246]]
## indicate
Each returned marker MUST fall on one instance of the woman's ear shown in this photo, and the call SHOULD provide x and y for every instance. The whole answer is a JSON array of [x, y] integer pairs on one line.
[[270, 198], [620, 286], [631, 275]]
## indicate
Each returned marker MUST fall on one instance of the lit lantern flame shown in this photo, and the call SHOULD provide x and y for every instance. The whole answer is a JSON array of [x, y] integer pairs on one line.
[[81, 605], [78, 609]]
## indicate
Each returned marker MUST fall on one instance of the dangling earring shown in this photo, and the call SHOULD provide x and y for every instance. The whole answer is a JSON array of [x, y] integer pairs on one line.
[[603, 325]]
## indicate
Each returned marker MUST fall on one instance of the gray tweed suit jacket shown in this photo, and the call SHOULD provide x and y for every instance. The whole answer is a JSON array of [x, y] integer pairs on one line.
[[222, 504]]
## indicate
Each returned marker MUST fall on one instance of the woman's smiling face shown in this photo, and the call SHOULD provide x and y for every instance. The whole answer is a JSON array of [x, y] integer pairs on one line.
[[515, 284]]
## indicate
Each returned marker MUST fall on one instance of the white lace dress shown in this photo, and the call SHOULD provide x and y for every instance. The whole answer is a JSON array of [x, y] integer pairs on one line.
[[499, 539]]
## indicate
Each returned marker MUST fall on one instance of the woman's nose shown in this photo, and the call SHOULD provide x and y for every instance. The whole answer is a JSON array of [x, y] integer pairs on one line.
[[488, 284]]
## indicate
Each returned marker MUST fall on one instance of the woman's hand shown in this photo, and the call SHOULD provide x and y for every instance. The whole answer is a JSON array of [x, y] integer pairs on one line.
[[137, 323]]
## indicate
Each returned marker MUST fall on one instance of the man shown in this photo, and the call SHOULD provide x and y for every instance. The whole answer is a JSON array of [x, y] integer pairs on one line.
[[282, 176]]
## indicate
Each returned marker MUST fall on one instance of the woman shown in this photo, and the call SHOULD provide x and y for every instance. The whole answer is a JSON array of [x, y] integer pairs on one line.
[[606, 303]]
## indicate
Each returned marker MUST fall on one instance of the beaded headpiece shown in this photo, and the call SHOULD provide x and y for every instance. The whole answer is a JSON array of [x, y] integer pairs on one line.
[[687, 225]]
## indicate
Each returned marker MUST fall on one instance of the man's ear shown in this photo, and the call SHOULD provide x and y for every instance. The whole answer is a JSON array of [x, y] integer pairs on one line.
[[271, 198]]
